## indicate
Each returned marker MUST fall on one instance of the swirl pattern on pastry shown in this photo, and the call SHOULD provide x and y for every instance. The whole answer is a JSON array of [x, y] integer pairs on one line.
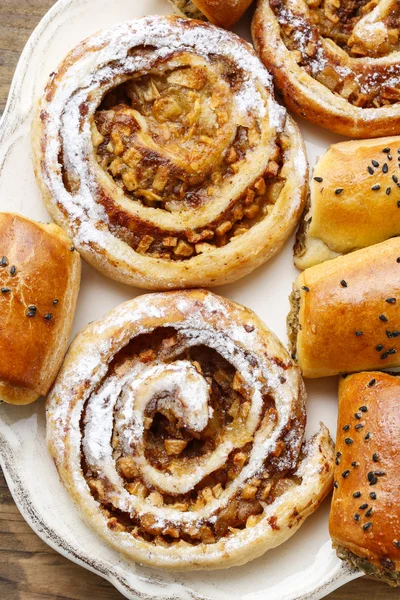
[[336, 62], [160, 148], [177, 426]]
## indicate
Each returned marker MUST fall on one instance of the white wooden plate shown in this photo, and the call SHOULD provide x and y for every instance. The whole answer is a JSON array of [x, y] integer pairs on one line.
[[305, 568]]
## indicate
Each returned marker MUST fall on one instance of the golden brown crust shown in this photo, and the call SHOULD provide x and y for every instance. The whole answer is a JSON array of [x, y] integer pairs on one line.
[[205, 414], [224, 13], [39, 281], [323, 74], [210, 195], [353, 200], [365, 514], [349, 313]]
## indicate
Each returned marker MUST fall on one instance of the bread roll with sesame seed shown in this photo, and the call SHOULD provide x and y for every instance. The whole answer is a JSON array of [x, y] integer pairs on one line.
[[39, 284], [365, 514], [345, 314], [353, 200]]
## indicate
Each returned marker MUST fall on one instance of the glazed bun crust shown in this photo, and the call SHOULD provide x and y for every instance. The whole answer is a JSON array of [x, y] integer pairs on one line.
[[224, 13], [345, 313], [352, 203], [370, 533], [39, 281]]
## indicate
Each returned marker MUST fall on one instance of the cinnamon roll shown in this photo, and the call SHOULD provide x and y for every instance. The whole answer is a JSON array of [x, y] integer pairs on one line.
[[336, 62], [177, 425], [160, 148]]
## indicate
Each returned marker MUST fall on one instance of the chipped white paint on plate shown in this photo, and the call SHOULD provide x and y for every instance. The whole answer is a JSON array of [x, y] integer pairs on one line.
[[305, 568]]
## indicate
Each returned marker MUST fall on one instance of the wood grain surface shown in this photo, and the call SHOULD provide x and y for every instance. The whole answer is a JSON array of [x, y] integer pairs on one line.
[[30, 570]]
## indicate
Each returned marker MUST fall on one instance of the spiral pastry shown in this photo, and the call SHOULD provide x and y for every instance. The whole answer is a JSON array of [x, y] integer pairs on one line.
[[336, 62], [159, 147], [177, 426]]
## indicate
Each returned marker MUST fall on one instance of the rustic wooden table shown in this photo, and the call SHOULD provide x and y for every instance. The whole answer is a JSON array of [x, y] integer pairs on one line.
[[29, 569]]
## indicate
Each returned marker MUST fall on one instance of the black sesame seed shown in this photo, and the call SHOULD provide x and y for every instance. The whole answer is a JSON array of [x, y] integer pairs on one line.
[[376, 187], [367, 526], [72, 248], [395, 178], [372, 382], [319, 179], [356, 517], [370, 475], [370, 170], [13, 270], [396, 543], [31, 313], [385, 168], [5, 290], [356, 494], [345, 474], [383, 318], [372, 496], [55, 301], [305, 288], [379, 347], [389, 333], [348, 441], [338, 454], [337, 461], [3, 261], [358, 333], [343, 283], [398, 151], [395, 333], [336, 485], [357, 416], [386, 150], [398, 206], [384, 355], [369, 512], [388, 190], [338, 191], [363, 506], [355, 463], [398, 258], [392, 351], [380, 473], [368, 436], [48, 316], [373, 481], [375, 163], [375, 457], [359, 426], [346, 427], [391, 300], [390, 157], [363, 409]]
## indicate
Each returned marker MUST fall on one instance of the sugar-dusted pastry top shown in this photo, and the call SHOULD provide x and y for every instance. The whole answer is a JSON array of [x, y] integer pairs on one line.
[[177, 425], [223, 13], [39, 283], [345, 314], [354, 200], [365, 514], [336, 63], [178, 167]]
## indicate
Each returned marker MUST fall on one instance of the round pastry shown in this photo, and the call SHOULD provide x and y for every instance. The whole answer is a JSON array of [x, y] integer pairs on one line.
[[177, 424], [336, 63], [159, 147], [224, 13]]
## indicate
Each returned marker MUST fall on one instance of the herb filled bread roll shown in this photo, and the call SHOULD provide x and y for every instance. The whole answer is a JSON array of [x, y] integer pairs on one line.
[[345, 313], [39, 284], [365, 513], [354, 200], [224, 13]]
